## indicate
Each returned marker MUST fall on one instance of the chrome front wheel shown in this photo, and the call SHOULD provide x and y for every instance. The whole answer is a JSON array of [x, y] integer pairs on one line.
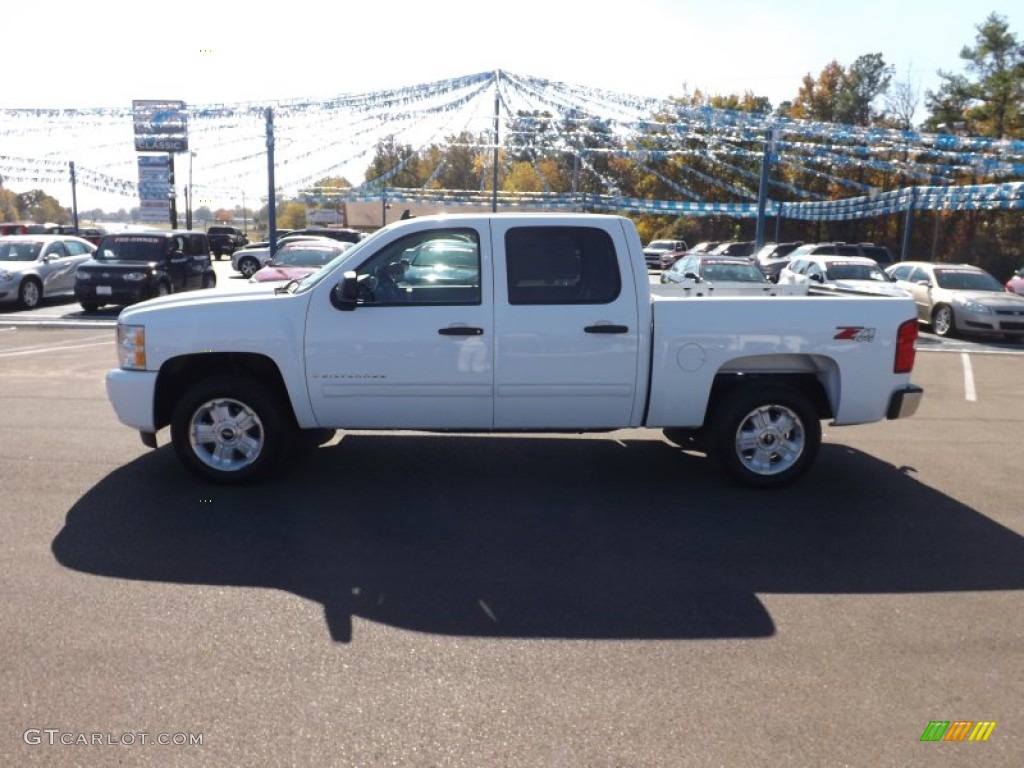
[[229, 429]]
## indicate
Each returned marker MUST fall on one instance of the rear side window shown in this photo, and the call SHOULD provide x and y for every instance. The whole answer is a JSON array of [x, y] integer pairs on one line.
[[561, 265]]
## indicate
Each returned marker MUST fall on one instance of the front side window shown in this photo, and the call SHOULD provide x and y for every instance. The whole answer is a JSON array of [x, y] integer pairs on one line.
[[441, 266], [901, 272], [561, 265]]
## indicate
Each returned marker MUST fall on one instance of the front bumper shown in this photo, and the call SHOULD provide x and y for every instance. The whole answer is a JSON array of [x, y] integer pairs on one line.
[[904, 402], [120, 295], [132, 394]]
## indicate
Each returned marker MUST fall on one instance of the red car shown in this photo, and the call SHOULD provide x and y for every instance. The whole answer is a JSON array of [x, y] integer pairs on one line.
[[295, 261], [1016, 283]]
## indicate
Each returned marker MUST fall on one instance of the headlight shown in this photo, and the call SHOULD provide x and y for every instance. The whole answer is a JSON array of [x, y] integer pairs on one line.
[[82, 274], [973, 305], [6, 276], [131, 346]]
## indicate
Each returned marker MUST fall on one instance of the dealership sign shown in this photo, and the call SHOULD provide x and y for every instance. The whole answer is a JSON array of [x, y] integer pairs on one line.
[[161, 144], [160, 125]]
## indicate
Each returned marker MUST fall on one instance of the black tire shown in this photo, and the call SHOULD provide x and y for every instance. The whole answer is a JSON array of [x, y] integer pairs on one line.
[[765, 435], [30, 293], [90, 306], [248, 266], [209, 280], [943, 320], [162, 289], [229, 429]]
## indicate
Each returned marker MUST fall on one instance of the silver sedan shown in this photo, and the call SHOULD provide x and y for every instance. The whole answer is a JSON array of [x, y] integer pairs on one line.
[[34, 267], [960, 297]]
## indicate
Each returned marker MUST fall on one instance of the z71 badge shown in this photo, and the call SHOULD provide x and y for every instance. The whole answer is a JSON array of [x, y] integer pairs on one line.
[[854, 333]]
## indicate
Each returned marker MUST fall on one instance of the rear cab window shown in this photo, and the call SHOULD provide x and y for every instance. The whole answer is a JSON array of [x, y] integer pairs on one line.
[[561, 265]]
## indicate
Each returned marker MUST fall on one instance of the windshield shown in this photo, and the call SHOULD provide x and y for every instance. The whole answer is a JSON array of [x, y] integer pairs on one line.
[[441, 254], [661, 245], [966, 280], [307, 284], [844, 271], [733, 273], [304, 257], [131, 248], [19, 251]]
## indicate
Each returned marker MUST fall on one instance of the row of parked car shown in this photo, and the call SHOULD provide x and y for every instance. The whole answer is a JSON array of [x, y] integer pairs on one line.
[[950, 298], [127, 267]]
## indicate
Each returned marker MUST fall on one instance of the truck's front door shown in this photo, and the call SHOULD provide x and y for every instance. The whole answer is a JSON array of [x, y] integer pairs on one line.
[[417, 350], [568, 327]]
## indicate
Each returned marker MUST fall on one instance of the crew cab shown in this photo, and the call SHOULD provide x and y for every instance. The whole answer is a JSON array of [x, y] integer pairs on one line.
[[549, 326]]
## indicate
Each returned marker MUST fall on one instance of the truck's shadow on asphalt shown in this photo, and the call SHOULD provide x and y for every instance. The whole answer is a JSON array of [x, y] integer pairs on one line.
[[530, 537]]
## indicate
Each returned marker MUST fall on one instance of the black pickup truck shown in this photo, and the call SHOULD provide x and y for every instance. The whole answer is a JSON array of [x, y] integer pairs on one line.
[[225, 240]]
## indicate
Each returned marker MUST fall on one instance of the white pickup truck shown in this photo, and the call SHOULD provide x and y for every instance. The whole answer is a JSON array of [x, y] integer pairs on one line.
[[504, 323]]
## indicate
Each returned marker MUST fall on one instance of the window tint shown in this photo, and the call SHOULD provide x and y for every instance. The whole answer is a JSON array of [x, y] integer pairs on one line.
[[441, 266], [919, 274], [76, 248], [561, 265], [133, 248], [901, 272], [56, 250]]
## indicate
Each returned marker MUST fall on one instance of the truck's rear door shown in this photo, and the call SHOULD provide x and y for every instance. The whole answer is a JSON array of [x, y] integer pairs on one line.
[[567, 325]]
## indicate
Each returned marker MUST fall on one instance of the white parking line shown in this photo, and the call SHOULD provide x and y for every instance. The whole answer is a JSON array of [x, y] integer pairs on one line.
[[35, 350], [969, 394]]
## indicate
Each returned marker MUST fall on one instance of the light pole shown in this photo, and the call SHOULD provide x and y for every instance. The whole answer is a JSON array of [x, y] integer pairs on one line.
[[188, 193]]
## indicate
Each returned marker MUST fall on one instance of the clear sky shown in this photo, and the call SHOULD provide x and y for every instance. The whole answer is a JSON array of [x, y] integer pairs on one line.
[[108, 52]]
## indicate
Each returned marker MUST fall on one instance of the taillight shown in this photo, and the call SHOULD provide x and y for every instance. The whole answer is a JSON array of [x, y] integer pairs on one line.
[[905, 339]]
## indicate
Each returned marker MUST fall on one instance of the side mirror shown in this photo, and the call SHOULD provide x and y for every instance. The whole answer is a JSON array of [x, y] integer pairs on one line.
[[345, 295], [692, 276], [817, 278], [925, 283]]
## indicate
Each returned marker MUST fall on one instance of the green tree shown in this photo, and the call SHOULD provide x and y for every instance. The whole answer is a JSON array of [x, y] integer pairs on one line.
[[989, 99], [40, 207], [291, 215], [863, 82], [8, 206], [396, 165]]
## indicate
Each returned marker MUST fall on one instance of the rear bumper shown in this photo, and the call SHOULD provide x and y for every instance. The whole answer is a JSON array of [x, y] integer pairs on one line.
[[903, 403]]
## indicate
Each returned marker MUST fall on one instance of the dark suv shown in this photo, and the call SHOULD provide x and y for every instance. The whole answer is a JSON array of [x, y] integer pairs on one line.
[[132, 266], [226, 240]]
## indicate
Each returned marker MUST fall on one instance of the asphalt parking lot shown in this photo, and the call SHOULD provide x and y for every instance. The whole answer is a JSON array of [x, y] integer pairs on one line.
[[419, 599]]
